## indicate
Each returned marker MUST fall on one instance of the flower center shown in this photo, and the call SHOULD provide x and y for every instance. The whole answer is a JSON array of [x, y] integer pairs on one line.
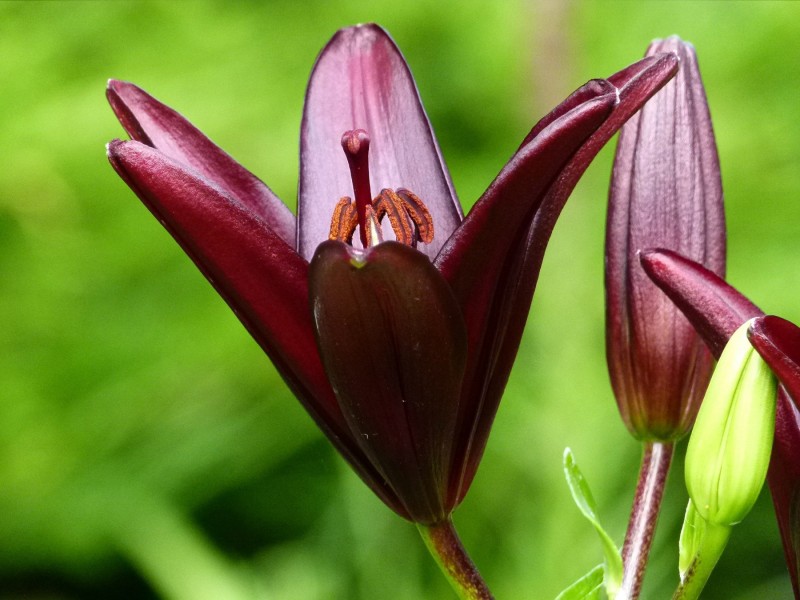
[[409, 217]]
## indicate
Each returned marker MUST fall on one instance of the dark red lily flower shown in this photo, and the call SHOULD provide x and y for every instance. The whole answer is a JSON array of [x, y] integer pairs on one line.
[[404, 353], [665, 192], [716, 310]]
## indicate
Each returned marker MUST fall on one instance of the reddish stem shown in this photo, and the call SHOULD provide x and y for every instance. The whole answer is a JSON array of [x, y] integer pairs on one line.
[[653, 473]]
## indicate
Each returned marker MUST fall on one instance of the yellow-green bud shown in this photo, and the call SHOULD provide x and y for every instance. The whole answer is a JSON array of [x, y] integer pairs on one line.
[[729, 450]]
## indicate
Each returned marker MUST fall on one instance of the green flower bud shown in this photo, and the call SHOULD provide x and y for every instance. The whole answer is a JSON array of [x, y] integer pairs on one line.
[[729, 450]]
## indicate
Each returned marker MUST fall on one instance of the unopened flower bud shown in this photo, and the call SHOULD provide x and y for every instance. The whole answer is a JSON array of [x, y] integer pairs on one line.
[[729, 450], [666, 192]]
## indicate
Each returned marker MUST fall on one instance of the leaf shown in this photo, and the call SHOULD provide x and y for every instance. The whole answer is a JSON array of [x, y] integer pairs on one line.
[[587, 587], [691, 537], [583, 498]]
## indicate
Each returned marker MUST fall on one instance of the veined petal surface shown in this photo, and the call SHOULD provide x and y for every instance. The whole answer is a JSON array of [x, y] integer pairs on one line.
[[665, 192], [394, 346]]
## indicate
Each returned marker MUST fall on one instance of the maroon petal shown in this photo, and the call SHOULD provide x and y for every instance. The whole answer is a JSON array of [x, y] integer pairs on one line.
[[261, 278], [393, 343], [778, 342], [784, 481], [361, 81], [636, 83], [665, 191], [714, 308], [149, 121], [508, 282], [476, 257]]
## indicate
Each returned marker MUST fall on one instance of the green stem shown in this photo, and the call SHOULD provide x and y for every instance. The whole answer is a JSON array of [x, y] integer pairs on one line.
[[445, 547], [715, 537], [656, 461]]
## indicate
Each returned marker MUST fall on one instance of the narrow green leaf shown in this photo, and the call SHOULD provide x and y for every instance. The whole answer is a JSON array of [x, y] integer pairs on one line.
[[582, 496], [694, 527], [588, 587]]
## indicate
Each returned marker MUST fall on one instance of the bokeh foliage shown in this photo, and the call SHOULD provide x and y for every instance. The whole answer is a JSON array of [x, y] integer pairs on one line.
[[147, 447]]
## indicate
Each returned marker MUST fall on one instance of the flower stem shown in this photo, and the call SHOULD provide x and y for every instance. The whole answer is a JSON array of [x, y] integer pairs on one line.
[[653, 473], [715, 537], [445, 547]]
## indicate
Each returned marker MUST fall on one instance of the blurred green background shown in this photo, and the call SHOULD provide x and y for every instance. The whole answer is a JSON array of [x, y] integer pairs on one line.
[[147, 447]]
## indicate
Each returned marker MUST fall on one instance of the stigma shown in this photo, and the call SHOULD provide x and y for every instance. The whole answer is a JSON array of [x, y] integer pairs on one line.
[[408, 216]]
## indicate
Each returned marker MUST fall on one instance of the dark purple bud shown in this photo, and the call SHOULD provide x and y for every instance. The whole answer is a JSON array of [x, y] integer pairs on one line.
[[665, 191]]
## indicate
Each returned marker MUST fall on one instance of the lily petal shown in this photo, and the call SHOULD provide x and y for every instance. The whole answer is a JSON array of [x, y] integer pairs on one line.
[[473, 257], [361, 81], [714, 308], [476, 256], [517, 265], [261, 278], [635, 84], [784, 481], [394, 346], [778, 342], [149, 121]]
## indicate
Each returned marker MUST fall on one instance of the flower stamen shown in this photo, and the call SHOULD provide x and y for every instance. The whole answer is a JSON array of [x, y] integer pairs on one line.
[[344, 221], [418, 213], [389, 204], [409, 218]]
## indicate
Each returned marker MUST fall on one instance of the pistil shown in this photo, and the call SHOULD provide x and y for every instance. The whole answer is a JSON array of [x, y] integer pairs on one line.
[[355, 144]]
